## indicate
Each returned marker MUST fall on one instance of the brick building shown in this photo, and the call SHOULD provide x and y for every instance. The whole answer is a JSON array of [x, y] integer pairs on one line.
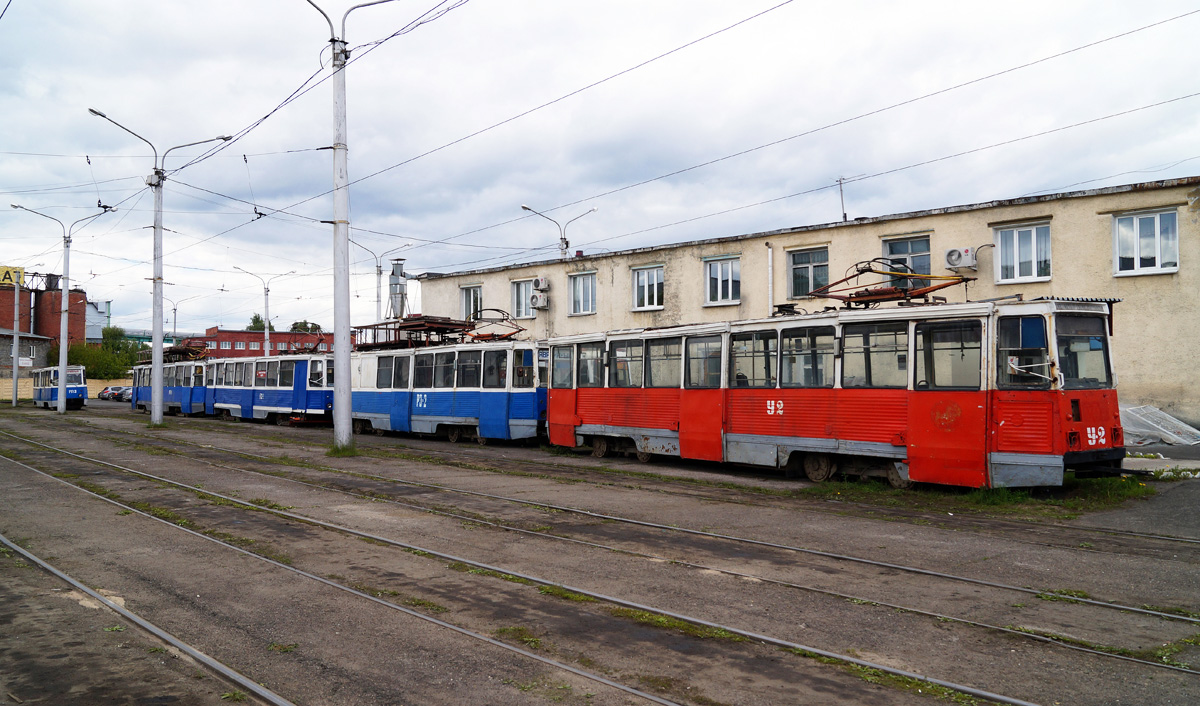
[[39, 312], [226, 343]]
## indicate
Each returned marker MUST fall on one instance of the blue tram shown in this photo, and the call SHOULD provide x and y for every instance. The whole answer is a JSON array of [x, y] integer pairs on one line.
[[45, 387], [492, 390], [276, 389], [184, 390]]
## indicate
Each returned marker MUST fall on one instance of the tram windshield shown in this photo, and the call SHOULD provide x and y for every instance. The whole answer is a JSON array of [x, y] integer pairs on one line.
[[74, 377], [1082, 352]]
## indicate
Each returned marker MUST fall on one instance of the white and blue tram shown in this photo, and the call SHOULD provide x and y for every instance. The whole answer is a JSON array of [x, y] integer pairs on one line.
[[45, 387], [184, 390], [275, 389], [476, 390]]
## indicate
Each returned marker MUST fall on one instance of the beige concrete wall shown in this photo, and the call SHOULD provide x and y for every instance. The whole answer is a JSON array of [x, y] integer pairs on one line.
[[25, 387], [1156, 326]]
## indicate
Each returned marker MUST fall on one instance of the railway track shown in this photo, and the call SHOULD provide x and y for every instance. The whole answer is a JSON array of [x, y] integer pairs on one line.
[[472, 516]]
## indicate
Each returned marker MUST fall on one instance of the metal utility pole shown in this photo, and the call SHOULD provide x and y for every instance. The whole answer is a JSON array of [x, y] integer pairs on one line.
[[563, 245], [16, 346], [63, 336], [840, 181], [155, 182], [342, 429], [175, 315], [378, 276], [266, 304]]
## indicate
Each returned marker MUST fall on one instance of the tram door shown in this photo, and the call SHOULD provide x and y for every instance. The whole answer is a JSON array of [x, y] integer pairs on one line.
[[561, 417], [701, 404], [947, 411]]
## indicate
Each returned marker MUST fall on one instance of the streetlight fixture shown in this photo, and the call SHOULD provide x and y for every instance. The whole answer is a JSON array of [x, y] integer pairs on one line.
[[563, 245], [155, 182], [267, 305], [378, 277], [342, 430], [175, 315], [63, 333]]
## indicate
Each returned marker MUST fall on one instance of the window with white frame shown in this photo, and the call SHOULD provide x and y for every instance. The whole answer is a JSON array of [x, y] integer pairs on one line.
[[210, 344], [648, 288], [911, 253], [253, 345], [583, 293], [239, 345], [1146, 243], [322, 346], [522, 295], [226, 345], [472, 300], [281, 346], [810, 270], [723, 281], [1023, 253]]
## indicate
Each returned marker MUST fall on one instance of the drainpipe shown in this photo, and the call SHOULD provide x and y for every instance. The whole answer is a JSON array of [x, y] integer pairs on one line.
[[770, 278]]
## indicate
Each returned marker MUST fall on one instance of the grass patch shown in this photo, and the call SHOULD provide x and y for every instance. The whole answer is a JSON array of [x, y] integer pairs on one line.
[[468, 569], [560, 592], [1064, 595], [1171, 610], [270, 504], [521, 634], [342, 452], [290, 647], [426, 605], [233, 696], [876, 676], [657, 620]]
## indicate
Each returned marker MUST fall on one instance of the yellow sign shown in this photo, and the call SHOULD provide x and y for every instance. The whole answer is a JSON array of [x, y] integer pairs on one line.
[[12, 275]]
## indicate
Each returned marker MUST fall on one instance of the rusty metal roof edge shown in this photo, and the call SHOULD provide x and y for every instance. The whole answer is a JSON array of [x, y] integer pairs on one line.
[[945, 210]]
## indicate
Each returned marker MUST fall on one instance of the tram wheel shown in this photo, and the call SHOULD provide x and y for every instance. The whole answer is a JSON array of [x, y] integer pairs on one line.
[[359, 426], [600, 446], [644, 456], [819, 467], [481, 440], [454, 434], [284, 420], [896, 480]]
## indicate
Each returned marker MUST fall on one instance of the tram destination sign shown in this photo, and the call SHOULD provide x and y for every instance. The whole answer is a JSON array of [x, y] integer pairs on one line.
[[12, 276]]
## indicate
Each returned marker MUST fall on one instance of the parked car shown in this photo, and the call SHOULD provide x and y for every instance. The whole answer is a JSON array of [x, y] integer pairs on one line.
[[111, 392], [125, 395]]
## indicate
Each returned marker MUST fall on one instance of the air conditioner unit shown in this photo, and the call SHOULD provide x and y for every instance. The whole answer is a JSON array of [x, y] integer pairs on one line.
[[960, 257], [538, 300], [541, 283]]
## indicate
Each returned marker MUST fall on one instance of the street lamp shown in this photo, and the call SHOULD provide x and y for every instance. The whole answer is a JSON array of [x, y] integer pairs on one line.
[[267, 306], [562, 229], [175, 315], [155, 182], [378, 278], [342, 431], [63, 340]]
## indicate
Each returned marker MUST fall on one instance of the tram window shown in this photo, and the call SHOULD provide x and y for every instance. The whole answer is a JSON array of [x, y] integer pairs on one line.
[[383, 372], [468, 368], [562, 368], [806, 357], [443, 369], [260, 374], [287, 373], [590, 366], [423, 371], [875, 355], [1022, 358], [752, 359], [495, 368], [543, 367], [949, 354], [625, 364], [198, 376], [1082, 352], [219, 373], [400, 372], [210, 375], [703, 362], [523, 369], [273, 373], [664, 358], [316, 373], [329, 372]]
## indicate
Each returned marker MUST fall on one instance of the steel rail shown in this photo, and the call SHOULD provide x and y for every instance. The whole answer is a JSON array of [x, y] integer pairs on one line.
[[237, 678], [766, 639], [328, 582]]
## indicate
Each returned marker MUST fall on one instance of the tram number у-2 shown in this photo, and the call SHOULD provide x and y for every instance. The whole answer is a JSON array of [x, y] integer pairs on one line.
[[775, 407], [1095, 436]]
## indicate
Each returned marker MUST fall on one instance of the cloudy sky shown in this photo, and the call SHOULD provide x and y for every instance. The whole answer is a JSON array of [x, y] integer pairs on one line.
[[676, 119]]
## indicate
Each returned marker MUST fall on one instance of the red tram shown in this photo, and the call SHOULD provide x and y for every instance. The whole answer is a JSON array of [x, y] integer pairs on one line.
[[984, 394]]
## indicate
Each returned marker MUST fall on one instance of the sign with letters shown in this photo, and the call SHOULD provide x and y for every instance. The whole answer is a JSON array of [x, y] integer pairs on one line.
[[12, 276]]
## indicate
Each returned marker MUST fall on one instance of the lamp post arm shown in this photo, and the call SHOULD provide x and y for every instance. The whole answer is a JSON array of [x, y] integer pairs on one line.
[[97, 113], [352, 9], [223, 138]]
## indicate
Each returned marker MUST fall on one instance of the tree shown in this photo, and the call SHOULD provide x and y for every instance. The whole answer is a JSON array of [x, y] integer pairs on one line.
[[257, 323], [305, 327]]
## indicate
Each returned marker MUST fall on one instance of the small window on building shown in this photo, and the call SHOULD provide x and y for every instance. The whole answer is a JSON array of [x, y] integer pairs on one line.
[[239, 345], [807, 357], [254, 345], [589, 369], [423, 371], [583, 293], [383, 372], [322, 346], [468, 368], [752, 358], [625, 364], [1146, 244], [949, 355], [281, 346], [810, 270], [561, 369], [522, 299], [723, 280], [911, 255], [495, 369], [471, 299], [703, 362], [1023, 254], [210, 344], [875, 355], [226, 345], [664, 362], [648, 288], [1022, 359]]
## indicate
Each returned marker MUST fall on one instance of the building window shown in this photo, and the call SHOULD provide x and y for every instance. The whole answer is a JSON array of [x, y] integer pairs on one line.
[[281, 346], [522, 294], [1146, 244], [472, 300], [210, 344], [648, 288], [226, 345], [911, 253], [724, 278], [240, 345], [322, 347], [583, 293], [1023, 253], [253, 345], [810, 270]]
